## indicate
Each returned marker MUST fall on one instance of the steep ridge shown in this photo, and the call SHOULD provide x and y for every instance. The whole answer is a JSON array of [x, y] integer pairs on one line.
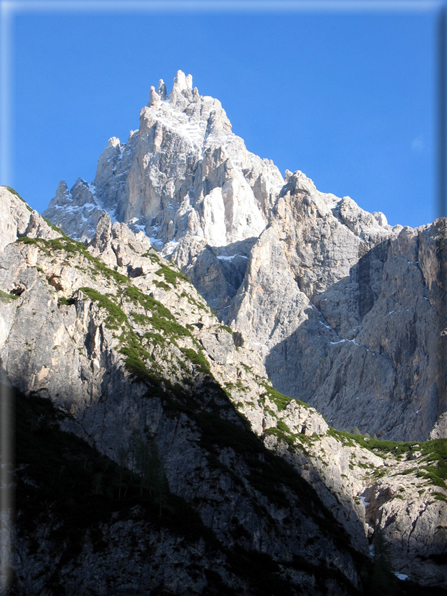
[[136, 365], [346, 312]]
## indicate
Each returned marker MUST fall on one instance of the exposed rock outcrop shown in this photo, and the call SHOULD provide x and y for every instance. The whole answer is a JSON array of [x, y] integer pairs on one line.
[[348, 318]]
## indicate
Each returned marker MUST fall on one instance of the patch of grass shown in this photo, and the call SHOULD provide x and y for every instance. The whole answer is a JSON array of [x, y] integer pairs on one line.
[[116, 316], [379, 447], [140, 319], [406, 472], [171, 276], [58, 244], [198, 359], [379, 473], [432, 463], [162, 285], [270, 411], [154, 338], [280, 434], [138, 361], [5, 297], [170, 327], [161, 318], [434, 453], [434, 475], [283, 427], [343, 436], [148, 303], [281, 401], [26, 240], [65, 301], [363, 465], [305, 439], [134, 363], [435, 450], [152, 255]]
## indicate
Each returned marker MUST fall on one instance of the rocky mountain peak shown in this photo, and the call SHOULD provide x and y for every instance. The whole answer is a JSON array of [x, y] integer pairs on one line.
[[182, 83], [322, 290], [184, 173], [114, 141], [198, 116], [297, 181]]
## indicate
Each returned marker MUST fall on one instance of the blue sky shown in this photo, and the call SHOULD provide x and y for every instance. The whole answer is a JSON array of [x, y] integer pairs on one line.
[[348, 98]]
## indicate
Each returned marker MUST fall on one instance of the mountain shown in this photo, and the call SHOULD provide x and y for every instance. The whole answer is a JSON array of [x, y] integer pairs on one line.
[[153, 454], [346, 312]]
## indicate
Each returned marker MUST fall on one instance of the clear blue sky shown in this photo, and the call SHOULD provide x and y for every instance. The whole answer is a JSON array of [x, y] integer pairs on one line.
[[347, 98]]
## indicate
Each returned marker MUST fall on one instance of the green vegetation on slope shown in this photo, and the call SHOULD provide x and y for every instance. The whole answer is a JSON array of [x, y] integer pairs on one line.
[[432, 462], [279, 399], [116, 316], [198, 359], [5, 297], [170, 275], [75, 248], [136, 349]]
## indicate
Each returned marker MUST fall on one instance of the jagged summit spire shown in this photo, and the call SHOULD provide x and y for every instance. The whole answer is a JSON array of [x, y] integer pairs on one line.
[[162, 92], [182, 85], [154, 98], [182, 82]]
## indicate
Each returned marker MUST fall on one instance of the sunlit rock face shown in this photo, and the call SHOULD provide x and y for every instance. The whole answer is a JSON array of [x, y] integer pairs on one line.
[[345, 311], [348, 313], [182, 173]]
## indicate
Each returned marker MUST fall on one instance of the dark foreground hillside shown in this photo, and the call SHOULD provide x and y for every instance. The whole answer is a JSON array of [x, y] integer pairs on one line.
[[87, 525]]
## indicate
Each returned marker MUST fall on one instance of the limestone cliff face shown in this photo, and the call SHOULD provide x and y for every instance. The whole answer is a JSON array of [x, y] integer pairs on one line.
[[349, 318], [135, 363], [346, 312]]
